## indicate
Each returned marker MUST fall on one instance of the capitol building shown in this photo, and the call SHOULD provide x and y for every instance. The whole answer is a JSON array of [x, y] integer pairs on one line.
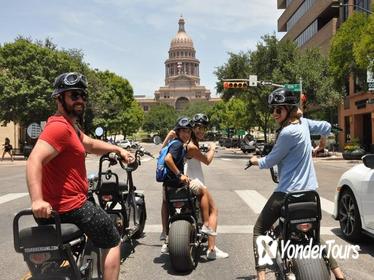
[[182, 78]]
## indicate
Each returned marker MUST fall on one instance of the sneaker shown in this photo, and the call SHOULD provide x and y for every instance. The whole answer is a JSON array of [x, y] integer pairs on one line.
[[216, 254], [162, 236], [164, 248], [208, 231]]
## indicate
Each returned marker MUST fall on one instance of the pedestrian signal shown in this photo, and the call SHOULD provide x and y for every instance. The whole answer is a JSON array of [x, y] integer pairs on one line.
[[227, 85]]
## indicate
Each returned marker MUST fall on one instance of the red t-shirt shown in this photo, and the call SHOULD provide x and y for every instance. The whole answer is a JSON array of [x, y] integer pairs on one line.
[[64, 178]]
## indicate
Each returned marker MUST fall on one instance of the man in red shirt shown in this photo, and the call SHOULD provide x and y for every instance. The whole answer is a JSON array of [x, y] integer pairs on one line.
[[56, 172]]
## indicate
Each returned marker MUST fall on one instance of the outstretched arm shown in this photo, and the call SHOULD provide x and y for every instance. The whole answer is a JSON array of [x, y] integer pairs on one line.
[[100, 147]]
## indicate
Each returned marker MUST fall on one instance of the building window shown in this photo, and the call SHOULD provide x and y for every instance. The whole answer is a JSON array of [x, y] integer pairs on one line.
[[363, 4], [307, 34], [299, 13]]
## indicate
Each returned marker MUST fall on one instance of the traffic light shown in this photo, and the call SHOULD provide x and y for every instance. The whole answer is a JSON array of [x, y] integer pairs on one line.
[[235, 84]]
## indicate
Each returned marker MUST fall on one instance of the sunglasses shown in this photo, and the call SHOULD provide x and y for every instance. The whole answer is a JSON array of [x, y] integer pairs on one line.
[[74, 95], [73, 79], [276, 110]]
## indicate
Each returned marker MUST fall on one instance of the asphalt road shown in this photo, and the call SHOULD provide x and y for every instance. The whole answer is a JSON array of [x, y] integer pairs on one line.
[[239, 195]]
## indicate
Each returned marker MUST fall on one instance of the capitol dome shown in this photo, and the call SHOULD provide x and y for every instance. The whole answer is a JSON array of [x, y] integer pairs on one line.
[[181, 39]]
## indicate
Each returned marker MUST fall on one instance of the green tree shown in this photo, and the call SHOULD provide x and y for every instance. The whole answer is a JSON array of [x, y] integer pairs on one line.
[[160, 118], [318, 83], [364, 48], [230, 114], [28, 71], [269, 62], [341, 59], [195, 108], [113, 105]]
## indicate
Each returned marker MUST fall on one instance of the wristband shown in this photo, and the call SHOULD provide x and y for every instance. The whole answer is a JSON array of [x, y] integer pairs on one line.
[[179, 175]]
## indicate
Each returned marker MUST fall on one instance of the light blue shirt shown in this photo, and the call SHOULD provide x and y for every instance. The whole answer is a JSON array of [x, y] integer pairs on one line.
[[292, 153]]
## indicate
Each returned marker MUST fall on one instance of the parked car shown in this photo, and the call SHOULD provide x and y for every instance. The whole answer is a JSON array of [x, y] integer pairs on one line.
[[248, 147], [124, 144], [354, 200], [229, 142]]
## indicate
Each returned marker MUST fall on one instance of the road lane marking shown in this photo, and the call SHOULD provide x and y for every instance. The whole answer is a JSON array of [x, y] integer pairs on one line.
[[253, 199], [256, 201], [327, 205], [238, 229], [226, 159], [11, 196]]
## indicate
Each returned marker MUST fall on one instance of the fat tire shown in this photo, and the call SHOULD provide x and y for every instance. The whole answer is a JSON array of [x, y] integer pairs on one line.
[[310, 269], [181, 249]]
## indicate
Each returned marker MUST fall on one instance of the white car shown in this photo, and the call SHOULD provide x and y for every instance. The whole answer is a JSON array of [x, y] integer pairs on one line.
[[124, 144], [354, 200]]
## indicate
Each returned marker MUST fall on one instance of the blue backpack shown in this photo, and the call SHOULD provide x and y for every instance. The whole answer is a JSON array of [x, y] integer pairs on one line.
[[162, 169]]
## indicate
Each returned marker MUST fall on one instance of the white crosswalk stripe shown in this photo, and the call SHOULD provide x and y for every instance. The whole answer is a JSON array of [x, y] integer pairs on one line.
[[238, 229], [11, 196], [327, 205], [253, 199], [257, 201]]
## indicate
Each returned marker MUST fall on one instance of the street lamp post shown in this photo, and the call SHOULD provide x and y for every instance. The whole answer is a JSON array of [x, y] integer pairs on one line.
[[340, 4]]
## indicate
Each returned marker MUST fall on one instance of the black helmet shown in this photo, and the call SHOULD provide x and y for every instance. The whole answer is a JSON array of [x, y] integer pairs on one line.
[[201, 119], [183, 122], [69, 81], [282, 97]]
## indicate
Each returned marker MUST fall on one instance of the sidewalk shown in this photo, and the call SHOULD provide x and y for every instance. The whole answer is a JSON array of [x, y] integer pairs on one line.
[[15, 162]]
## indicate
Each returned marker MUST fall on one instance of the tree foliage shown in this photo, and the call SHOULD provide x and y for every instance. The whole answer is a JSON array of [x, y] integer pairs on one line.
[[280, 62], [364, 48], [28, 70], [196, 107], [160, 118], [114, 106], [344, 44]]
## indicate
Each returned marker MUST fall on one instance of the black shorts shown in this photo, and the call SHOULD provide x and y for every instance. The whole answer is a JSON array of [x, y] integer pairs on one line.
[[95, 223]]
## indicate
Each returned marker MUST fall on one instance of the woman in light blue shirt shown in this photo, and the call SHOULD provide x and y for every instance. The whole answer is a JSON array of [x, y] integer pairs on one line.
[[292, 153]]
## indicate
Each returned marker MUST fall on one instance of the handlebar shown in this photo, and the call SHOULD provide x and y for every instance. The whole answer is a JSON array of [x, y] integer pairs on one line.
[[248, 165], [139, 153]]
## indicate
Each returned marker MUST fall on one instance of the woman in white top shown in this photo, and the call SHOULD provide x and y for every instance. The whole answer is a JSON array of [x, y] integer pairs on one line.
[[194, 171]]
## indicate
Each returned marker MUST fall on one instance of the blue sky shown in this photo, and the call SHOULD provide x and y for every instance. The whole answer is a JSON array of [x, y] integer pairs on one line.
[[132, 37]]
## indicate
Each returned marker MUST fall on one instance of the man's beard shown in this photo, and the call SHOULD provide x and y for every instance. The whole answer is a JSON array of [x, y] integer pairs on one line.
[[72, 111]]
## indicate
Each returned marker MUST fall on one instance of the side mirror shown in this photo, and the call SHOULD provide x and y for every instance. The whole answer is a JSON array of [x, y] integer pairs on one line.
[[368, 161]]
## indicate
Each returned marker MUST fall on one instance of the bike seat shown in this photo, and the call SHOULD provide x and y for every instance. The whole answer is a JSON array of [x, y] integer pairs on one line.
[[178, 193], [300, 210], [45, 235]]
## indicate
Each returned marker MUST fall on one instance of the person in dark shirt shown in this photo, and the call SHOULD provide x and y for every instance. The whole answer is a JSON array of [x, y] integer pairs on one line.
[[7, 149]]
